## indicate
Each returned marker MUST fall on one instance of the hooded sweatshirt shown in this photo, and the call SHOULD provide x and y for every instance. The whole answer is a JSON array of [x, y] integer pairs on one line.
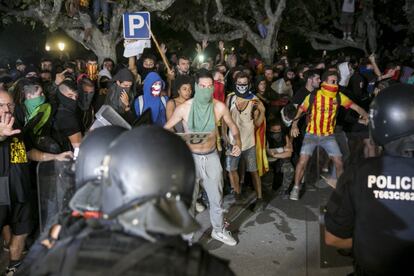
[[154, 103], [115, 91]]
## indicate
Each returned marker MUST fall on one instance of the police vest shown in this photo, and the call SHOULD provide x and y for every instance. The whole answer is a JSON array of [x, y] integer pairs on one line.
[[105, 252]]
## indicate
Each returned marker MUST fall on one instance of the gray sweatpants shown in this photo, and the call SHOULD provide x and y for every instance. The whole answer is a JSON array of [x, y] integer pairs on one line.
[[209, 175]]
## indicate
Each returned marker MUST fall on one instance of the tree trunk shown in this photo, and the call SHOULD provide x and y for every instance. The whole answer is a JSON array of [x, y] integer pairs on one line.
[[106, 49], [266, 52], [103, 46]]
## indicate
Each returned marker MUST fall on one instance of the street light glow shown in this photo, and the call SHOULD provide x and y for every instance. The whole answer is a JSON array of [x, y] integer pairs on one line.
[[47, 47], [61, 46], [286, 47]]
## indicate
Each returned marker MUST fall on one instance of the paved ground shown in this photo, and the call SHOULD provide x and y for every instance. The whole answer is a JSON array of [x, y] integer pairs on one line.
[[284, 239]]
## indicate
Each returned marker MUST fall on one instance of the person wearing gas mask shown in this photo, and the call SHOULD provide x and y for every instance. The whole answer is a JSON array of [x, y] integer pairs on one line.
[[144, 213], [371, 210], [248, 113], [152, 99]]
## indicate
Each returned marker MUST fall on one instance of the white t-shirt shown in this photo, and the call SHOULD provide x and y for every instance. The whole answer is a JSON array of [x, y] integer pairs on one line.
[[348, 6]]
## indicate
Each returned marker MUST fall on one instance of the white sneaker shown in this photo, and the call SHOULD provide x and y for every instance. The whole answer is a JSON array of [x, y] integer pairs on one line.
[[224, 236], [188, 238], [294, 194], [199, 207]]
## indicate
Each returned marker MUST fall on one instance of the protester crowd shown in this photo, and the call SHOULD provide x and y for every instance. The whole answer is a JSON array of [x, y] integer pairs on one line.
[[260, 118]]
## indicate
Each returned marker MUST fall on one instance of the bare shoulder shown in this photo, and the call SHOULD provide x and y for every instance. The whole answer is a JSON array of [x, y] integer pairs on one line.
[[219, 106], [185, 106]]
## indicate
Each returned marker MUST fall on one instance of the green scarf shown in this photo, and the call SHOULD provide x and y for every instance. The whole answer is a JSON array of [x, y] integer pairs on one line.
[[33, 104], [37, 106], [201, 117]]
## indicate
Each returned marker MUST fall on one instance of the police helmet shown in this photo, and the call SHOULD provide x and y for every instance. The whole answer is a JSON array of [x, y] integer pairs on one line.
[[88, 166], [148, 182], [92, 151], [391, 114]]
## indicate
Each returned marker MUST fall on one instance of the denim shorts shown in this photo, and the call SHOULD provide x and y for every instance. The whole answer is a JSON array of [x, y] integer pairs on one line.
[[249, 156], [328, 143]]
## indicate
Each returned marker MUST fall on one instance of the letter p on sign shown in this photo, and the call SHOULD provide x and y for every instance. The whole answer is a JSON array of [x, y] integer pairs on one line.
[[137, 25]]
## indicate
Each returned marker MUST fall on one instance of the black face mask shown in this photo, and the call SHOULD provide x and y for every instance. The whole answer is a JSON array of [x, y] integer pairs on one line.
[[68, 103], [85, 99], [145, 72], [34, 79], [277, 136]]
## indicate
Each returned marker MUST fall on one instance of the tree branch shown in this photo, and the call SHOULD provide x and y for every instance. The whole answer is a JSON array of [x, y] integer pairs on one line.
[[330, 42], [268, 9], [237, 24], [305, 10], [205, 13], [197, 35], [152, 5], [26, 13], [57, 6], [116, 20], [256, 13]]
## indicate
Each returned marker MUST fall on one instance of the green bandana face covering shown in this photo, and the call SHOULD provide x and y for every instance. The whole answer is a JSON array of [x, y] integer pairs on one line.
[[201, 117], [203, 95], [32, 104]]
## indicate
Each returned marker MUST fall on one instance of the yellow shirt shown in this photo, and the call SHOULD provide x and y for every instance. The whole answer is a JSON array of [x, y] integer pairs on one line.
[[322, 121]]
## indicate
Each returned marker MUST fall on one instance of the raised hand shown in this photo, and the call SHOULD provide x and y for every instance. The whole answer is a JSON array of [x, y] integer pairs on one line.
[[60, 77], [124, 99], [221, 46], [198, 48], [204, 44], [163, 48], [6, 125]]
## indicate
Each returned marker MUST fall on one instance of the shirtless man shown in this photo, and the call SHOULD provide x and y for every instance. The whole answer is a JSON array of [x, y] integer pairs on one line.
[[201, 114]]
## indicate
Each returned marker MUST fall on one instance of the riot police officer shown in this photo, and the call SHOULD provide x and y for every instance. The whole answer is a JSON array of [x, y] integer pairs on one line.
[[372, 208], [148, 179], [85, 203]]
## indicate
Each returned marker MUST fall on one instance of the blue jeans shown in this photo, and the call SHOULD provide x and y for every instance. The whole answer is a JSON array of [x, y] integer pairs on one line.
[[328, 143], [98, 6]]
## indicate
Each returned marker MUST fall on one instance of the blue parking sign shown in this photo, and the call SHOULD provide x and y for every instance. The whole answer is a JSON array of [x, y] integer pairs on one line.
[[137, 25]]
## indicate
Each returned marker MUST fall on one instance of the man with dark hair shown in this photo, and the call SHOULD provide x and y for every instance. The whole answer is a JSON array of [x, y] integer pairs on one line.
[[322, 108], [121, 87], [19, 70], [268, 74], [182, 68], [312, 81], [46, 64], [86, 90], [201, 114], [67, 115], [279, 151], [107, 68], [248, 112]]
